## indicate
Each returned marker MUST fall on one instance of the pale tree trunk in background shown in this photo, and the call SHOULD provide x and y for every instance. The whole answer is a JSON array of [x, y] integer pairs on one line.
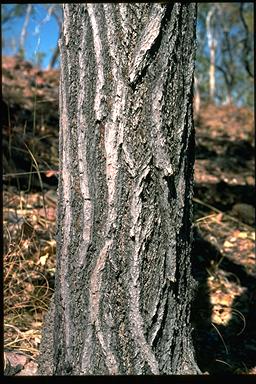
[[227, 67], [24, 30], [59, 19], [123, 285], [228, 100], [212, 47], [197, 98], [212, 70]]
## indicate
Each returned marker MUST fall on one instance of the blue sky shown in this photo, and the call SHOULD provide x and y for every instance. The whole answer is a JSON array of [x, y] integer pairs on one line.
[[42, 34]]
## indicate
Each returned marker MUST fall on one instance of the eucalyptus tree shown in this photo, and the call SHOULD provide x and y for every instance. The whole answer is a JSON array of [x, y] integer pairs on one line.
[[123, 287]]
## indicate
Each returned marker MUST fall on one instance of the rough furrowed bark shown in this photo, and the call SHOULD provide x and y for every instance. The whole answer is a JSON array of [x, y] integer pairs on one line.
[[123, 283]]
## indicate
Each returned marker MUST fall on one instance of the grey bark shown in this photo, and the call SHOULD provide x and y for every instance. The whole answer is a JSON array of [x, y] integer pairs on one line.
[[123, 285]]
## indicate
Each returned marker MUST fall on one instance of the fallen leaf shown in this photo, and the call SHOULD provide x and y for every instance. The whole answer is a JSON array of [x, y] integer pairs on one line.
[[51, 172], [30, 369], [219, 217], [48, 213], [227, 244], [243, 235], [36, 324], [52, 242], [43, 259], [30, 287]]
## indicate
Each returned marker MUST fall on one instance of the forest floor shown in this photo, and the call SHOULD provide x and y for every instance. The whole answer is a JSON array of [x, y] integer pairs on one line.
[[223, 256]]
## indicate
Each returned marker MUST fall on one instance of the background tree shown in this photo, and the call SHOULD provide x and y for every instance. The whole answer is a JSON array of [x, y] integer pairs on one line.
[[231, 72], [231, 29], [212, 43], [246, 19], [123, 285], [9, 14], [23, 33], [29, 14], [57, 13]]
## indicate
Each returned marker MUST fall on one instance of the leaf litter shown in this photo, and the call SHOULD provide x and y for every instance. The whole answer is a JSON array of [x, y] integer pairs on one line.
[[223, 254]]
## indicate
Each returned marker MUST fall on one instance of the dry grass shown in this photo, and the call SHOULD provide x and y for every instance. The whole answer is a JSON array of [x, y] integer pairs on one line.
[[29, 257], [30, 135], [231, 301], [29, 218]]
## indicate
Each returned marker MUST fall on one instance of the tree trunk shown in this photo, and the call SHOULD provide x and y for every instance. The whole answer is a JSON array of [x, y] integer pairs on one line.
[[197, 97], [59, 19], [248, 64], [229, 80], [123, 285], [212, 48], [212, 70], [23, 33]]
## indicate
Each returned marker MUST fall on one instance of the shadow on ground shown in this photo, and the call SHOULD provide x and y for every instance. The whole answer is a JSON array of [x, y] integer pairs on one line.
[[229, 347]]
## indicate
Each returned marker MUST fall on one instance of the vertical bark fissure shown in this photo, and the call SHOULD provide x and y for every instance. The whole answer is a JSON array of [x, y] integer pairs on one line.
[[136, 320], [145, 48], [82, 157], [87, 198], [111, 170], [66, 196], [99, 94]]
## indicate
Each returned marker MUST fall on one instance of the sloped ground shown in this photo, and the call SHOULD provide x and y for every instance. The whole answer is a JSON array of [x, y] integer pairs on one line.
[[30, 164], [223, 257]]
